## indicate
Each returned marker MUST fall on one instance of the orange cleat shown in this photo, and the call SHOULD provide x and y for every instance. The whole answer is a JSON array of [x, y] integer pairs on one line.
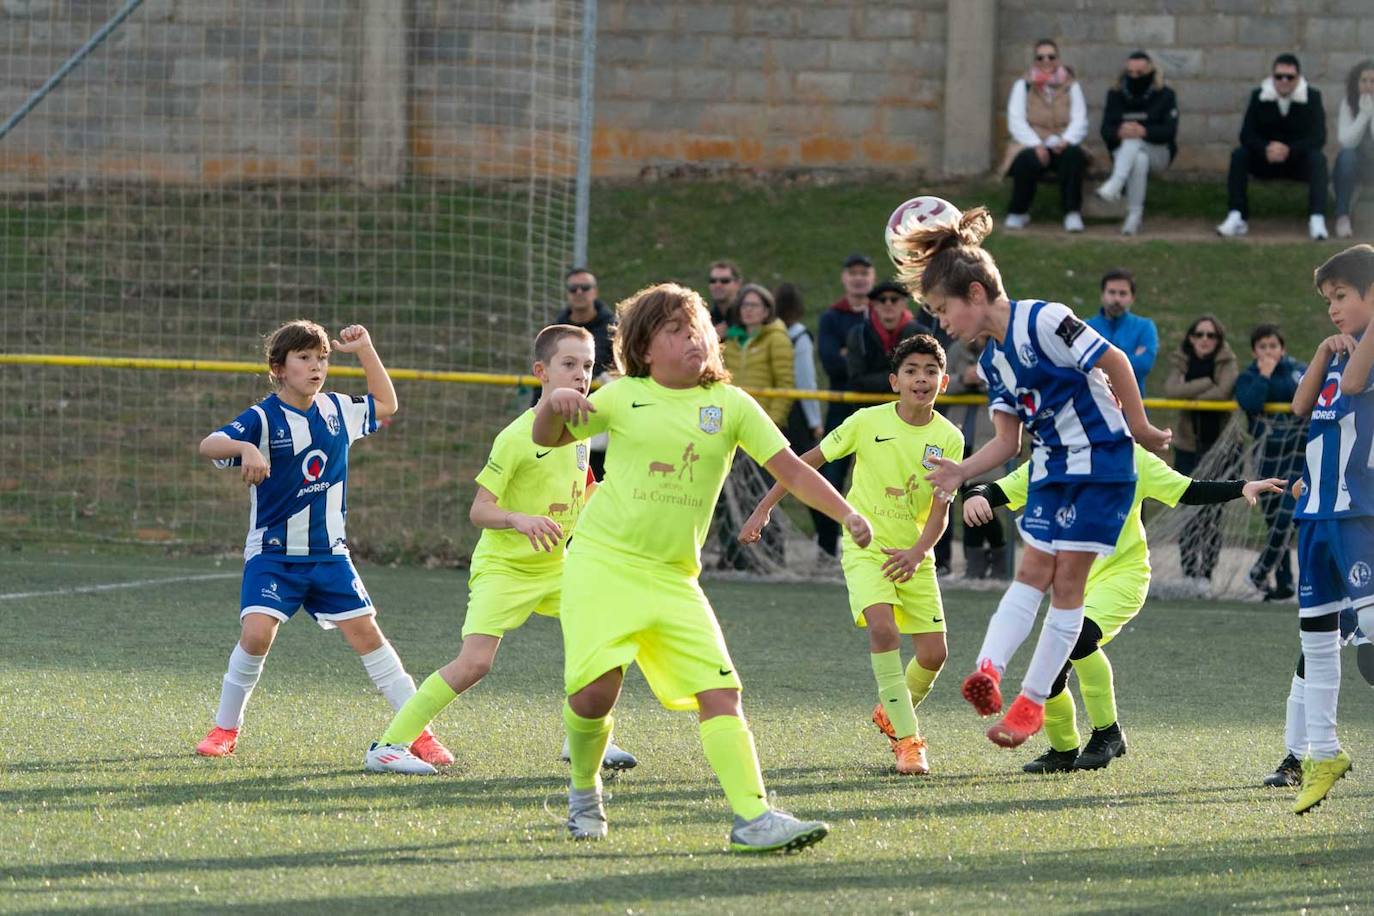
[[982, 690], [219, 743], [911, 756], [884, 724], [428, 749], [1021, 721]]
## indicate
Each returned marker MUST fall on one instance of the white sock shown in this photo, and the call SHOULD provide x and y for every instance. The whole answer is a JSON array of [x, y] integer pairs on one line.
[[384, 667], [1011, 624], [1057, 637], [1322, 654], [239, 681], [1295, 724]]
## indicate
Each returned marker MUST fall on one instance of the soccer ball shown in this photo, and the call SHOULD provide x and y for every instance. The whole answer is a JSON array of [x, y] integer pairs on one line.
[[919, 211]]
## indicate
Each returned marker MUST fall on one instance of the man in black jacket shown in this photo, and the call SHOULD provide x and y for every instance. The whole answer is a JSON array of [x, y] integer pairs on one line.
[[870, 344], [1282, 137], [1140, 127], [587, 311]]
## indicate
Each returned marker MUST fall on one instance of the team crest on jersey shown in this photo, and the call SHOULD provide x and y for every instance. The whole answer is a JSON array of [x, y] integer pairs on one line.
[[1027, 354], [332, 421], [1359, 574], [581, 456], [932, 451], [709, 419], [1066, 516]]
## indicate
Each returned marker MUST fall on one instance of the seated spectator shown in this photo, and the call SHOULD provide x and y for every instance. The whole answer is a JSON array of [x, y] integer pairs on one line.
[[1130, 333], [1202, 369], [1355, 128], [871, 344], [757, 351], [1139, 126], [1281, 137], [1273, 377], [1048, 120], [723, 279]]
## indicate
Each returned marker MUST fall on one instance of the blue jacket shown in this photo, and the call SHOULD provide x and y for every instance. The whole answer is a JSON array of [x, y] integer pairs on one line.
[[832, 335], [1130, 333], [1280, 432]]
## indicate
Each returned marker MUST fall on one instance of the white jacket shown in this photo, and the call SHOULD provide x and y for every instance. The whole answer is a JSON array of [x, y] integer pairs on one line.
[[1355, 127]]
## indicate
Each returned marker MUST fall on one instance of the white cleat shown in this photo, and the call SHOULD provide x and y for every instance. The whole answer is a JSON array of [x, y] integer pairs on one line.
[[1233, 226], [1316, 228], [615, 758], [393, 758], [1073, 222], [775, 831], [586, 815], [1016, 221]]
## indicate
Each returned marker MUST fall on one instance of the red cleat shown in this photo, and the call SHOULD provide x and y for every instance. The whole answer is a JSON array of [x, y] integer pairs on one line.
[[1021, 721], [219, 743], [428, 749], [981, 689]]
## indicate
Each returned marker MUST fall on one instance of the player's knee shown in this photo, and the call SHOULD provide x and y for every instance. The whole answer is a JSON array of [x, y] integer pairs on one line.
[[932, 657], [259, 631], [724, 701]]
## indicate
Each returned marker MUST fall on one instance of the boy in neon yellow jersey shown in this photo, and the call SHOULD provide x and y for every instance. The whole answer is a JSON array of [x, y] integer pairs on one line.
[[892, 586], [630, 591], [1116, 589], [528, 500]]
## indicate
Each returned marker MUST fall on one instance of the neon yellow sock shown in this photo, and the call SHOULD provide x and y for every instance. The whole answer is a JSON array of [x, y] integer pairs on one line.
[[730, 751], [418, 711], [1061, 726], [1099, 694], [893, 692], [587, 740], [919, 680]]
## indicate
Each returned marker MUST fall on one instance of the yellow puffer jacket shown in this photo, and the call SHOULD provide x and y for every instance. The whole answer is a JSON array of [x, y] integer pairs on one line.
[[764, 362]]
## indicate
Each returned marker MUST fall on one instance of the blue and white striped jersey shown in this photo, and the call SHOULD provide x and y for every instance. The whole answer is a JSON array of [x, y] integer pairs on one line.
[[298, 512], [1338, 474], [1043, 373]]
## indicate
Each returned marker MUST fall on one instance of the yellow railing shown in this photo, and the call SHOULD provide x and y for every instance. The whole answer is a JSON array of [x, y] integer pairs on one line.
[[492, 378]]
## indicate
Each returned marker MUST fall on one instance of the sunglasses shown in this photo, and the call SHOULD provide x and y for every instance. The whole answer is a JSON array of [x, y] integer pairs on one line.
[[1285, 77], [580, 287], [716, 281], [1203, 335], [1047, 57], [889, 299]]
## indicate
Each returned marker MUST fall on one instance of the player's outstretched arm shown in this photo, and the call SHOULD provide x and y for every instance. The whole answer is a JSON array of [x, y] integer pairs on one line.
[[558, 409], [1119, 372], [543, 532], [219, 447], [753, 526], [1211, 492], [810, 487], [948, 475], [355, 339], [1355, 376]]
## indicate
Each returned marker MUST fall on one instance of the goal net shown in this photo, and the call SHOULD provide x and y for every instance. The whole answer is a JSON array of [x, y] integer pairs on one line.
[[216, 168]]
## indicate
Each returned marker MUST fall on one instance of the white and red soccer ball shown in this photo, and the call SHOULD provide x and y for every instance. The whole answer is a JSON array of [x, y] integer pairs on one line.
[[914, 213]]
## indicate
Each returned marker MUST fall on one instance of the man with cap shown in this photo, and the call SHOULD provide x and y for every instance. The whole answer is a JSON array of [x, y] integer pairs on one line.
[[871, 344], [832, 340]]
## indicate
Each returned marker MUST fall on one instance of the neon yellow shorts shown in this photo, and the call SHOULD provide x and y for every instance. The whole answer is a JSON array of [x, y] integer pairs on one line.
[[916, 603], [1113, 603], [618, 609], [501, 600]]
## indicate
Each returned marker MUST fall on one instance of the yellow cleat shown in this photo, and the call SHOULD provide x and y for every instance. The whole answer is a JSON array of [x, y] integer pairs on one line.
[[1318, 776]]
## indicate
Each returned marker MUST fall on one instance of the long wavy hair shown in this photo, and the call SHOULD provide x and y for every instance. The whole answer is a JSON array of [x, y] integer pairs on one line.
[[640, 316], [949, 258], [1352, 84]]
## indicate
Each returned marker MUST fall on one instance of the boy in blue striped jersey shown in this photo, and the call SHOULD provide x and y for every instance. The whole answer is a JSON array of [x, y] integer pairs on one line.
[[293, 450], [1336, 511]]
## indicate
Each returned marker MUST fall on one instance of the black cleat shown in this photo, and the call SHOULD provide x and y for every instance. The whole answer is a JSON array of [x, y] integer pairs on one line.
[[1288, 773], [1052, 761], [1104, 745]]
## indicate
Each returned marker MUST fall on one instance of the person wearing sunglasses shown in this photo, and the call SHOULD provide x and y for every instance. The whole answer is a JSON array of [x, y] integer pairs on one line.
[[1203, 368], [1281, 137], [723, 282], [584, 310], [1048, 120]]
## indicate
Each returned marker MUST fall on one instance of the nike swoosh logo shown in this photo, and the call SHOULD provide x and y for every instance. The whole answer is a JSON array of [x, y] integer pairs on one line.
[[881, 439], [937, 620], [541, 454], [637, 404], [725, 672]]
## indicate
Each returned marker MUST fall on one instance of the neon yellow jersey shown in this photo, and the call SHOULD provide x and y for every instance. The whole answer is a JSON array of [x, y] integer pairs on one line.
[[669, 452], [532, 480], [891, 461], [1154, 480]]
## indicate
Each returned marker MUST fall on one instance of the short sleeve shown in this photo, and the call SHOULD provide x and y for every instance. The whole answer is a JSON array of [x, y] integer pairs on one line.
[[246, 427], [755, 431], [501, 465], [1000, 400], [842, 440], [1156, 480], [1066, 339], [606, 400], [1015, 486], [359, 414]]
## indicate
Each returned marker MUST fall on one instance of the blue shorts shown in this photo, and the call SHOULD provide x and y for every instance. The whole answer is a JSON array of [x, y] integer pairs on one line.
[[1334, 565], [1076, 516], [1350, 628], [329, 590]]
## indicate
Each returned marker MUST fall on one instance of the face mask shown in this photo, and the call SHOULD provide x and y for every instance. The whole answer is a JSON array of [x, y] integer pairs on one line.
[[1139, 85]]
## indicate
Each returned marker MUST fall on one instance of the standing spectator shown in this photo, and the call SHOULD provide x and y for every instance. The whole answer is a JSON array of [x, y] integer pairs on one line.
[[1203, 369], [1140, 128], [871, 344], [851, 310], [1132, 334], [1279, 437], [1281, 137], [757, 351], [985, 546], [805, 427], [723, 278], [1048, 120], [1355, 128], [586, 310]]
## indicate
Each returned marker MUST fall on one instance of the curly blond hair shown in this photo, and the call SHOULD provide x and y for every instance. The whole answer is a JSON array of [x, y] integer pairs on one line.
[[948, 258], [640, 316]]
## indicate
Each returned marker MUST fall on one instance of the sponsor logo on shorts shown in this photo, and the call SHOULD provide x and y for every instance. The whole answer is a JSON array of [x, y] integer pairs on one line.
[[709, 419], [1359, 574], [270, 593], [932, 452], [358, 588], [1027, 353], [1066, 516]]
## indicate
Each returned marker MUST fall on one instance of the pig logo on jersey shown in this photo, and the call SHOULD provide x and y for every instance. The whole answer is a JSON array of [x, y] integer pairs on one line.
[[1066, 516], [709, 419], [1359, 574], [312, 465]]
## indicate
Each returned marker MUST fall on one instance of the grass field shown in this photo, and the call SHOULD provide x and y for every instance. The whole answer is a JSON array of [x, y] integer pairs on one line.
[[104, 690]]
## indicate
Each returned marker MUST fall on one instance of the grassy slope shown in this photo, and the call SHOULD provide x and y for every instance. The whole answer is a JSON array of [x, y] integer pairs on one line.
[[104, 808]]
